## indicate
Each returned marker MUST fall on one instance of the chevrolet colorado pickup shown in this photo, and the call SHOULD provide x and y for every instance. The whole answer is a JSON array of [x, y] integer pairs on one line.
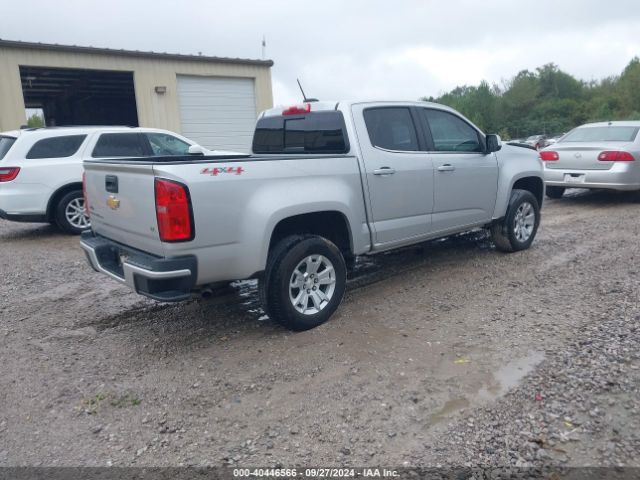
[[326, 182]]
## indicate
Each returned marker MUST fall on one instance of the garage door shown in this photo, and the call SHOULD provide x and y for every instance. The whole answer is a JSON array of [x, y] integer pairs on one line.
[[218, 113]]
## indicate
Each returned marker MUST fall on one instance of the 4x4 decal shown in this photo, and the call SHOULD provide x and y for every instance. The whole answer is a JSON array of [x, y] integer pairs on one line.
[[217, 170]]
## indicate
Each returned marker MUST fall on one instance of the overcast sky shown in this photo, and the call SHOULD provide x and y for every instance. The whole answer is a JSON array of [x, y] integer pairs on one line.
[[353, 49]]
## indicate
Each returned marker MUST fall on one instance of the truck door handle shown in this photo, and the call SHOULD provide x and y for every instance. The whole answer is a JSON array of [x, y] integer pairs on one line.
[[111, 183], [384, 171], [446, 168]]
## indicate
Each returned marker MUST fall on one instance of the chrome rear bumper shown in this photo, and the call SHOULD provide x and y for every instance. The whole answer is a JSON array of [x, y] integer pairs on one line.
[[164, 279]]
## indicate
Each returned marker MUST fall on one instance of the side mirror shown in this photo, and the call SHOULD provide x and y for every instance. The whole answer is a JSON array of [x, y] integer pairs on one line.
[[196, 150], [494, 143]]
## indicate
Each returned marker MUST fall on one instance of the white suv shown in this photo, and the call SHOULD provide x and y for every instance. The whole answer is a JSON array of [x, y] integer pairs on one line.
[[41, 168]]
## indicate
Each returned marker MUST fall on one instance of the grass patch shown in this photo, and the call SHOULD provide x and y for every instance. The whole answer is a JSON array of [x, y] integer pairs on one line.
[[93, 404]]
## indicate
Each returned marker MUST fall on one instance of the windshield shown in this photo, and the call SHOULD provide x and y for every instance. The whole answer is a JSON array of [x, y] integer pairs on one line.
[[5, 145], [602, 134]]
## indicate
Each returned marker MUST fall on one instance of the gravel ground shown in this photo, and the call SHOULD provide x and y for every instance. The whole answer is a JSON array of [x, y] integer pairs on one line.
[[449, 353]]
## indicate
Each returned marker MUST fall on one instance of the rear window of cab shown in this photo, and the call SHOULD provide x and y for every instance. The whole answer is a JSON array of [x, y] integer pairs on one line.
[[314, 132]]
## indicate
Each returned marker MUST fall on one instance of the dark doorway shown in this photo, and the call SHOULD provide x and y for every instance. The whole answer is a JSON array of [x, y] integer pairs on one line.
[[70, 96]]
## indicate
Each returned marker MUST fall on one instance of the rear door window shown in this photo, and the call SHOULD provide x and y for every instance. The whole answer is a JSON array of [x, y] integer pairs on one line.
[[316, 132], [163, 144], [5, 144], [391, 128], [120, 145], [56, 147], [451, 133]]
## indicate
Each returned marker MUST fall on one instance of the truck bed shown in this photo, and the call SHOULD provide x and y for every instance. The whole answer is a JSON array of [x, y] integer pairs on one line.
[[236, 203]]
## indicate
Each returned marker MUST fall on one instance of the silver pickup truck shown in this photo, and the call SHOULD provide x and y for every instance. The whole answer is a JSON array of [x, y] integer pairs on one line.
[[326, 182]]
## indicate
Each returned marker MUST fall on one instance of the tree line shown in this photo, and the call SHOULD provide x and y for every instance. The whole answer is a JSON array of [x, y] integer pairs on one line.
[[547, 101]]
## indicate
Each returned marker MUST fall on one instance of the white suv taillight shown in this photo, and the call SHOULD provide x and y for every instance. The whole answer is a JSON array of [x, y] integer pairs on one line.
[[8, 173]]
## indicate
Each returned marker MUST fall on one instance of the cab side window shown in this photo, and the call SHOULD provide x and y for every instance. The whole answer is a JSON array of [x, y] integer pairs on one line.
[[391, 128], [450, 133], [56, 147]]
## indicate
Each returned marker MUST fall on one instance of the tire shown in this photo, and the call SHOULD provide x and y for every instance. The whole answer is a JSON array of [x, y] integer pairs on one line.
[[555, 192], [66, 213], [301, 260], [519, 226]]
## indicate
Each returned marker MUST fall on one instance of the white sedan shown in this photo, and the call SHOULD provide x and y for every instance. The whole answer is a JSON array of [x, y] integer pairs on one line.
[[595, 155]]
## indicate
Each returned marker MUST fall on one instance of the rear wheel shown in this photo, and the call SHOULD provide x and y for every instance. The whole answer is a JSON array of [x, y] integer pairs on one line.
[[304, 282], [519, 226], [70, 213], [555, 192]]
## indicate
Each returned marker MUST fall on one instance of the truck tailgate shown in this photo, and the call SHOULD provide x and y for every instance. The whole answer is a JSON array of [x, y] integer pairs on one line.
[[121, 199]]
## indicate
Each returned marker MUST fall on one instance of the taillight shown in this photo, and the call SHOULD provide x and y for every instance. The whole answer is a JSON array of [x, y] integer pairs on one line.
[[297, 109], [549, 156], [84, 194], [8, 173], [173, 211], [615, 156]]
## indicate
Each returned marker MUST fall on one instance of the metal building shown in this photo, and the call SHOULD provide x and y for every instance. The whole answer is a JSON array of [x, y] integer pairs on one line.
[[212, 100]]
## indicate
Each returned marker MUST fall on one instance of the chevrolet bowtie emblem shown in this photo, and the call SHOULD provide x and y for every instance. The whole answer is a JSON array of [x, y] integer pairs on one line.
[[113, 203]]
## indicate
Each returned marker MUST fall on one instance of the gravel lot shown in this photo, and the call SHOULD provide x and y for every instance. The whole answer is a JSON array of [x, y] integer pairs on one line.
[[448, 353]]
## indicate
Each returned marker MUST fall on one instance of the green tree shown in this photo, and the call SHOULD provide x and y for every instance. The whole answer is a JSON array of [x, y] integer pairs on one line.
[[547, 100], [628, 88], [35, 121]]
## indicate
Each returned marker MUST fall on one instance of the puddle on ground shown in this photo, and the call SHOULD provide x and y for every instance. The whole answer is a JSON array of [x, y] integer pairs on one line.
[[504, 378], [452, 406], [510, 374]]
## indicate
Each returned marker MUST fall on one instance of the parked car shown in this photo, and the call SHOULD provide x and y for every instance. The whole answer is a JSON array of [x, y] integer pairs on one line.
[[595, 155], [537, 141], [521, 143], [554, 139], [41, 168], [327, 182]]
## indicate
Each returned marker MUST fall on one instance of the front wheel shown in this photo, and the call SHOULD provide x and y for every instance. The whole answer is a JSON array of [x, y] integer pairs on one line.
[[555, 192], [304, 282], [519, 226], [70, 213]]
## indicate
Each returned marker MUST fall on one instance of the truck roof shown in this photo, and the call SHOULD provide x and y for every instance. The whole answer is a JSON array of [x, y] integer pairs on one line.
[[325, 105]]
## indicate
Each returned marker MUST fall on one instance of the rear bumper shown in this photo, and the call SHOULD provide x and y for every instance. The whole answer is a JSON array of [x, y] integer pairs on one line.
[[619, 177], [163, 279], [24, 217]]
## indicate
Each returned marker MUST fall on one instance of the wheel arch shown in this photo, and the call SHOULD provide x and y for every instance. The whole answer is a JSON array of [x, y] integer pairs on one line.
[[57, 195], [535, 185], [330, 224], [529, 181]]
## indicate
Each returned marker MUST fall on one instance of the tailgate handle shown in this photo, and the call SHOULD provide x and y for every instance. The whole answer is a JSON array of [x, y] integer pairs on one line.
[[111, 183]]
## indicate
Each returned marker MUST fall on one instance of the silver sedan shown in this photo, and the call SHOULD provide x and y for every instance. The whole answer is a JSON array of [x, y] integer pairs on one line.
[[595, 155]]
